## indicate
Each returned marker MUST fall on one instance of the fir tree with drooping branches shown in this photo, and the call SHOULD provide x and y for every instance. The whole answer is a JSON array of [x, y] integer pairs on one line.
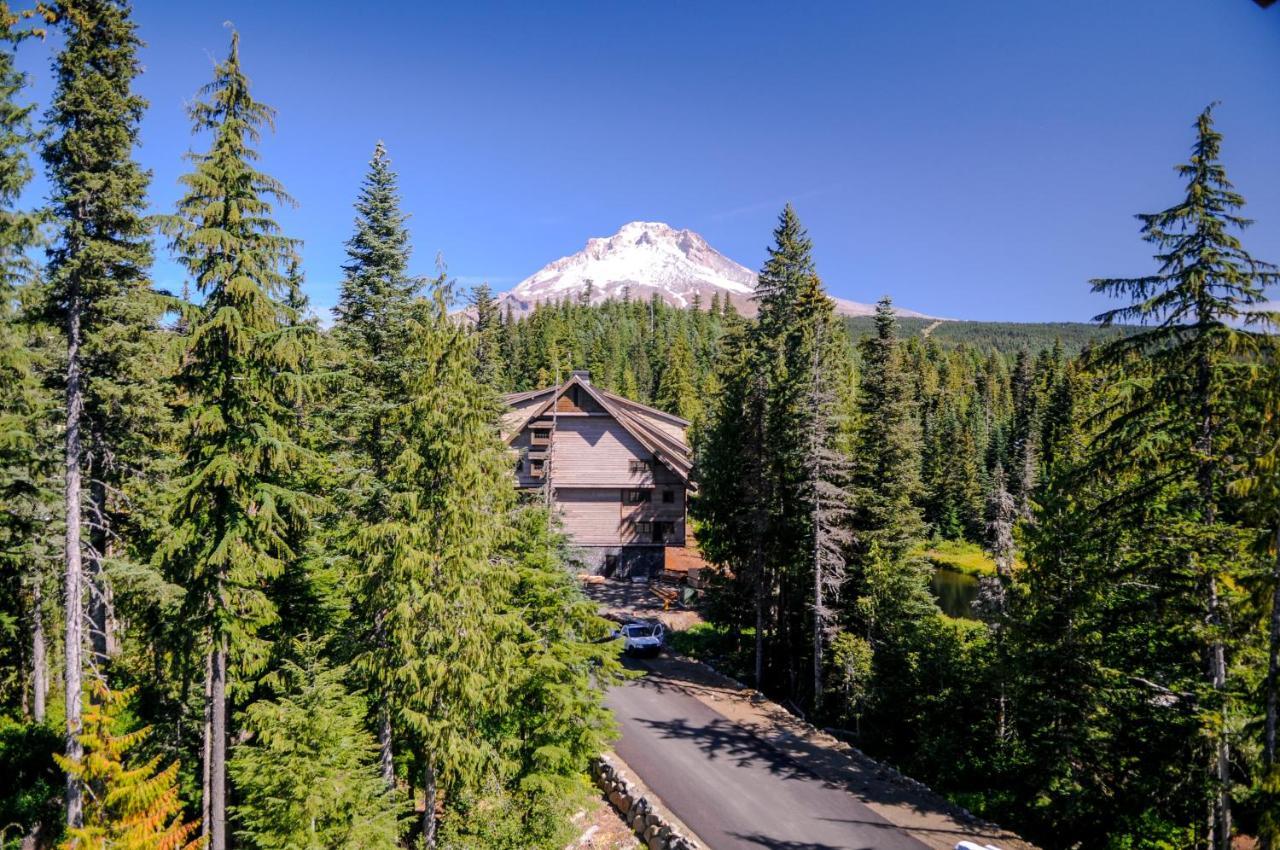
[[238, 512], [1172, 417], [428, 575], [1257, 482], [307, 776]]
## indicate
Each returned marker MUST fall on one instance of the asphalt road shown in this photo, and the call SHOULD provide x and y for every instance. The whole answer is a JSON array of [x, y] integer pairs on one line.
[[732, 789]]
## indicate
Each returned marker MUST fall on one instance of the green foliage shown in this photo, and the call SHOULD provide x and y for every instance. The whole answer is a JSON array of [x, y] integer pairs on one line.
[[958, 555], [28, 407], [31, 783], [307, 775], [628, 346], [677, 392], [98, 265], [553, 720], [1131, 468], [886, 472], [995, 337], [238, 514], [774, 505], [488, 333], [851, 665], [723, 647], [428, 583], [482, 658]]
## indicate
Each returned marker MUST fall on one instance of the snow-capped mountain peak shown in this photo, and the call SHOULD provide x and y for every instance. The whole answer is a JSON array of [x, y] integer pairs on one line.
[[643, 258]]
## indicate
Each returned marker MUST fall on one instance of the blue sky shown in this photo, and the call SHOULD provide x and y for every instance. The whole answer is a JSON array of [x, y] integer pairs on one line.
[[973, 160]]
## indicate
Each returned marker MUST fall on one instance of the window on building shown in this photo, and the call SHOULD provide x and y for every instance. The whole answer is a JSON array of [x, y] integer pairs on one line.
[[644, 529], [661, 530], [668, 496], [541, 434], [636, 497], [536, 468], [639, 465]]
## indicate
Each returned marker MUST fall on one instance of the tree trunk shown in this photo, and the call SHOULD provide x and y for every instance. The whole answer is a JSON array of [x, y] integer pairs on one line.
[[760, 598], [218, 749], [73, 575], [1273, 661], [100, 613], [1222, 754], [1266, 838], [385, 763], [817, 627], [39, 656], [1206, 479], [206, 737], [429, 805]]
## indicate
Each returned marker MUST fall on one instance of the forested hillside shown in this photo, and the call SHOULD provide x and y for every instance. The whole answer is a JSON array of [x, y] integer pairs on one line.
[[972, 403], [1007, 337]]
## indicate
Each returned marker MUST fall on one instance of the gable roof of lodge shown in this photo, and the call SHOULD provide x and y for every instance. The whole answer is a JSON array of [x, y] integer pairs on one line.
[[639, 420]]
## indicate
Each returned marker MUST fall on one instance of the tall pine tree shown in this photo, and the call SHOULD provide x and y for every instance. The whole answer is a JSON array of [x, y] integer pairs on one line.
[[428, 574], [374, 328], [238, 512], [100, 295], [1173, 418]]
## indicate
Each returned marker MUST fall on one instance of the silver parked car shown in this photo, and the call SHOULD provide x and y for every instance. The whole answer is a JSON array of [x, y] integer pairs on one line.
[[641, 638]]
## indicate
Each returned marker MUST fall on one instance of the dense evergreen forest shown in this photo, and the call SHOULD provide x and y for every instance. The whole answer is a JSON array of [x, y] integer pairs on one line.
[[264, 585], [265, 582], [1117, 686]]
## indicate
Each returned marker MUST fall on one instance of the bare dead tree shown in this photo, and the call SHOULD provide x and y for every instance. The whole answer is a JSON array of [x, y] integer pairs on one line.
[[827, 470]]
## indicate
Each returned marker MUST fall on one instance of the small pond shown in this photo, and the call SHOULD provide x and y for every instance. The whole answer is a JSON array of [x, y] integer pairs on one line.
[[955, 592]]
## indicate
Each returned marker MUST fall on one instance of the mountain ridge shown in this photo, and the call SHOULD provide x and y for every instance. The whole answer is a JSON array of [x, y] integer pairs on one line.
[[649, 257]]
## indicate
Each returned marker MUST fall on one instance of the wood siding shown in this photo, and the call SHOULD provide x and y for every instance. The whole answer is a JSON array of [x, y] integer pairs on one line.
[[594, 463], [597, 517], [595, 451], [577, 400]]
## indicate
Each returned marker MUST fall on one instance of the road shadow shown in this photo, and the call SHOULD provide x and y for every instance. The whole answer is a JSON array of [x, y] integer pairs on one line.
[[789, 755], [721, 739], [782, 844]]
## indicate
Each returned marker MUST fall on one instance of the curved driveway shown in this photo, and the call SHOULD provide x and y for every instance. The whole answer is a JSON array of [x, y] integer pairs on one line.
[[732, 789]]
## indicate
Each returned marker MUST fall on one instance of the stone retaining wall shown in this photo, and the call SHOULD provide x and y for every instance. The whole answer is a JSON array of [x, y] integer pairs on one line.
[[653, 830]]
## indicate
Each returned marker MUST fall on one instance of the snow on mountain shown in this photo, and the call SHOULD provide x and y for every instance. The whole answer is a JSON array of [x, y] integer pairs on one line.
[[647, 257]]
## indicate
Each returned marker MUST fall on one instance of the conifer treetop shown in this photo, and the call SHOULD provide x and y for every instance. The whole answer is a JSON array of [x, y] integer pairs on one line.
[[1204, 275]]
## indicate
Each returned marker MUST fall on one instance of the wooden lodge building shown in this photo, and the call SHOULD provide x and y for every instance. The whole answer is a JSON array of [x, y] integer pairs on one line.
[[616, 471]]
